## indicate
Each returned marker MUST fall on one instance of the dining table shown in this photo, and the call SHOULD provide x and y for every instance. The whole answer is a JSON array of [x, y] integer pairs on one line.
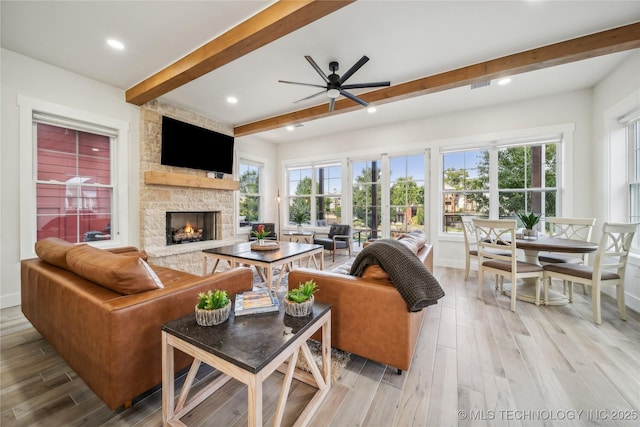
[[526, 288]]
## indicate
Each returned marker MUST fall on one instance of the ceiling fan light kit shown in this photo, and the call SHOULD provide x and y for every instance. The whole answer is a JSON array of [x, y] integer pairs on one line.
[[334, 84]]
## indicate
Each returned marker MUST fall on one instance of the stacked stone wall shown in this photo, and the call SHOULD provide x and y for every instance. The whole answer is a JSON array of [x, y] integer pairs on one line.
[[156, 200]]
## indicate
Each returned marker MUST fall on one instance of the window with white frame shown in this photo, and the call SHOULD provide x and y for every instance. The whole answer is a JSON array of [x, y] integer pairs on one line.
[[633, 134], [101, 189], [328, 194], [74, 182], [315, 194], [500, 181], [249, 194]]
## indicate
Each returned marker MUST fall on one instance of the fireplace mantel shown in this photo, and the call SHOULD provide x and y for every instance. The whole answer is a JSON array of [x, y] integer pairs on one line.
[[181, 180]]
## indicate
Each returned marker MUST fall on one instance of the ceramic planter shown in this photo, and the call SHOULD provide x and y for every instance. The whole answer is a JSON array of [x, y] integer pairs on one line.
[[298, 309], [212, 317]]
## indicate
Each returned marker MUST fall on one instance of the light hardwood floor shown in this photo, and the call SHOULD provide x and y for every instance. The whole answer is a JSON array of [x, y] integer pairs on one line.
[[477, 363]]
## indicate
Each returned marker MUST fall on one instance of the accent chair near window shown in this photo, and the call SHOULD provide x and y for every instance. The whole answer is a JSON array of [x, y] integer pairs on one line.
[[339, 237]]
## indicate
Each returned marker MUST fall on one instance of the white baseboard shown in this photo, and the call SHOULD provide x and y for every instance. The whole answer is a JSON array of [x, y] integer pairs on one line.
[[10, 300]]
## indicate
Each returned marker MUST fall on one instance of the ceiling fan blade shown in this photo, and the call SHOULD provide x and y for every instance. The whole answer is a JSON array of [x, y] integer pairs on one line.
[[364, 85], [353, 69], [301, 84], [353, 97], [311, 96], [318, 69], [332, 103]]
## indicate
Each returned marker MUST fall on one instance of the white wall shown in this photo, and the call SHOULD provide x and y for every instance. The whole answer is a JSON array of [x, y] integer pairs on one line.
[[24, 76], [615, 96]]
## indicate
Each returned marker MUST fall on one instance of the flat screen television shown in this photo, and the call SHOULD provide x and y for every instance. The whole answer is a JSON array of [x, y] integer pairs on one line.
[[190, 146]]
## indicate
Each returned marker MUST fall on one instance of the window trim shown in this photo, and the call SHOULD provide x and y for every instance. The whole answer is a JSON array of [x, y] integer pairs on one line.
[[313, 166], [27, 108], [261, 175]]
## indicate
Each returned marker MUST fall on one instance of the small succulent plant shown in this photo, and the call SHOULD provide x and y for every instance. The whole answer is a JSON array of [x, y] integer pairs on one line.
[[213, 300], [303, 293]]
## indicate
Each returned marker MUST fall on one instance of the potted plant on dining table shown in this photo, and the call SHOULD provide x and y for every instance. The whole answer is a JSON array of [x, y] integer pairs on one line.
[[529, 221]]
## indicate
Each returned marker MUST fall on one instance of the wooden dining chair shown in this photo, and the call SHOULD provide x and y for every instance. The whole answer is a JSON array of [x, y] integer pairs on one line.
[[470, 245], [609, 268], [568, 228], [495, 237]]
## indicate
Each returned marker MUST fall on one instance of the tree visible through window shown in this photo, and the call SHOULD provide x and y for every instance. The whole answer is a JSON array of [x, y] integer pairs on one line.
[[74, 189], [406, 177], [526, 182], [249, 192], [367, 197]]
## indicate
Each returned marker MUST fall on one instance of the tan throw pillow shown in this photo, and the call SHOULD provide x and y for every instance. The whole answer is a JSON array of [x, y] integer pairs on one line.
[[123, 274], [54, 251], [374, 272]]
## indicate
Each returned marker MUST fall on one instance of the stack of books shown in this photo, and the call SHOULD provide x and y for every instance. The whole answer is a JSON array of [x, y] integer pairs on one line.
[[252, 302]]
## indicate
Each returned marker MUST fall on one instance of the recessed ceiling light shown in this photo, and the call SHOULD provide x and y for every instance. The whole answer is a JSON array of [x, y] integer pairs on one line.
[[372, 110], [504, 81], [290, 128], [115, 44], [232, 100]]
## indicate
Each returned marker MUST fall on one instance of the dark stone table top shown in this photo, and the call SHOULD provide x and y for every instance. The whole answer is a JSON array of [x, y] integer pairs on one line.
[[250, 341], [243, 251]]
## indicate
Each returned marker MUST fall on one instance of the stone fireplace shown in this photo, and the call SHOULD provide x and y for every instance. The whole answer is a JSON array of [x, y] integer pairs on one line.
[[190, 193], [190, 227]]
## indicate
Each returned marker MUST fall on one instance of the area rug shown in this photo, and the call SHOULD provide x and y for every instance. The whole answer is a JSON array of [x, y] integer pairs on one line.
[[339, 359]]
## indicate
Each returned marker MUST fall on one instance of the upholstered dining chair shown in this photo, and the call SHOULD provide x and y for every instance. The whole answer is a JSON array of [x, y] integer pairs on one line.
[[494, 237], [339, 237], [608, 268], [568, 228]]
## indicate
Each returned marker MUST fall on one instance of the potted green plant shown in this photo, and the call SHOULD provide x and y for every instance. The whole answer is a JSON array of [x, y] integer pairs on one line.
[[299, 301], [261, 234], [213, 307], [299, 216], [529, 221]]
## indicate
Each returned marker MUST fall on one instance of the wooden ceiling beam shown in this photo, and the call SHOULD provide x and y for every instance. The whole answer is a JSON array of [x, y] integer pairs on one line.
[[276, 21], [590, 46]]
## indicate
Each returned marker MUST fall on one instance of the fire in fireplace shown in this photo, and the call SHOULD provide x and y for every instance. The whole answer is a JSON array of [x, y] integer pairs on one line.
[[188, 227]]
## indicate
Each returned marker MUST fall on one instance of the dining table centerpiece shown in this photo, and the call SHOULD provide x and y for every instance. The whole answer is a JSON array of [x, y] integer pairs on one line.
[[529, 221]]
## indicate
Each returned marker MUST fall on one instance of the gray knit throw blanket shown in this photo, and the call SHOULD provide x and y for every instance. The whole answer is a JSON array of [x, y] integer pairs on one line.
[[413, 280]]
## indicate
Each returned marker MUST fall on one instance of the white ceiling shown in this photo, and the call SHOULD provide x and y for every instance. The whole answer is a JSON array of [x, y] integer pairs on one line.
[[405, 40]]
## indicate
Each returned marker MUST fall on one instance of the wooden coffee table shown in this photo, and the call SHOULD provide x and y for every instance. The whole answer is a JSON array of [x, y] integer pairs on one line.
[[249, 351], [284, 256]]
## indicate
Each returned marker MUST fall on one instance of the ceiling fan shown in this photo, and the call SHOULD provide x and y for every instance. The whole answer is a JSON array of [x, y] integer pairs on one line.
[[335, 84]]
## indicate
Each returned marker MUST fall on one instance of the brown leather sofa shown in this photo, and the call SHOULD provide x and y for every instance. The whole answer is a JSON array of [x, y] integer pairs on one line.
[[368, 316], [111, 339]]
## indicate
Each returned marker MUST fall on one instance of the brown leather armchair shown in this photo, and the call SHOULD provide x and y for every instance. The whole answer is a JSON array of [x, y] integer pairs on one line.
[[339, 237]]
